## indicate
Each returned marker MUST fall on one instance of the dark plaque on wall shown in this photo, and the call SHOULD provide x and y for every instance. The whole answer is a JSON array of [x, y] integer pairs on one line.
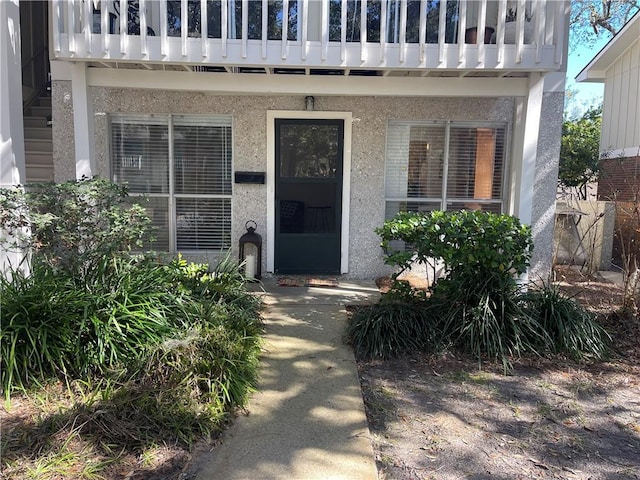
[[250, 177]]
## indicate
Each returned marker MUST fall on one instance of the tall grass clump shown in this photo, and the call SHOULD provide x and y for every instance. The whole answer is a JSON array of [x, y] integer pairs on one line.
[[488, 318], [571, 329], [392, 328]]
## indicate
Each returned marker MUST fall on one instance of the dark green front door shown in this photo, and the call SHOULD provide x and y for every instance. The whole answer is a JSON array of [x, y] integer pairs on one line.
[[308, 196]]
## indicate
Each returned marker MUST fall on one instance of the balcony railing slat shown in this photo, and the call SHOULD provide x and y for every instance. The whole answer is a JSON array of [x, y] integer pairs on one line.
[[163, 28], [123, 26], [71, 26], [285, 27], [245, 26], [305, 29], [143, 28], [539, 9], [265, 26], [520, 17], [204, 28], [442, 26], [184, 26], [480, 31], [325, 29], [343, 28], [363, 29], [224, 27], [423, 28], [462, 27], [403, 29], [502, 13], [87, 25], [55, 20], [104, 28], [559, 30], [383, 31]]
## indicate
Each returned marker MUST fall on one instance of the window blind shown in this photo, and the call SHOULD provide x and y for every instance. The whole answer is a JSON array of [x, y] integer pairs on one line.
[[202, 156], [183, 164], [444, 165], [140, 153]]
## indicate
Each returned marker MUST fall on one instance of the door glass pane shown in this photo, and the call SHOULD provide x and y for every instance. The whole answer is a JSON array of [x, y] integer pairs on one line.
[[309, 151], [307, 207]]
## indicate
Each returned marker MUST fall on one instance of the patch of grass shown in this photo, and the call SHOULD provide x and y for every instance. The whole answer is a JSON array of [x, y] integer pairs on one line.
[[544, 410]]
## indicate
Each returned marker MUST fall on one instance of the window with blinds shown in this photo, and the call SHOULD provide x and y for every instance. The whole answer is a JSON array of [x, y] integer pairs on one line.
[[181, 164], [444, 166]]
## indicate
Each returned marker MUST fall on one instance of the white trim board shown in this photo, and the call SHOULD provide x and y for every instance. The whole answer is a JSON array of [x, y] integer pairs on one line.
[[272, 115], [253, 84]]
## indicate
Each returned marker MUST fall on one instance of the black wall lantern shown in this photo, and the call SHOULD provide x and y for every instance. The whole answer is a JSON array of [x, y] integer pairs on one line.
[[250, 248]]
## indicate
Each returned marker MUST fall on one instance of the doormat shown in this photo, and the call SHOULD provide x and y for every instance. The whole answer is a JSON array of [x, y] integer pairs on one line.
[[307, 282]]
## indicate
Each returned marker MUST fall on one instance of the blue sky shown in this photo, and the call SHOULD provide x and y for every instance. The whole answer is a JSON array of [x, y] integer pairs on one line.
[[588, 94]]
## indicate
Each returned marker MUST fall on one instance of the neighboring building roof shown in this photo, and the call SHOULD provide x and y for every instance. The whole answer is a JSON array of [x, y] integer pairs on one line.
[[596, 70]]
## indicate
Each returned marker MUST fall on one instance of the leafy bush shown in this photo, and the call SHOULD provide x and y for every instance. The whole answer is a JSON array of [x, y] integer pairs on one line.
[[72, 225], [53, 326], [488, 318], [466, 242]]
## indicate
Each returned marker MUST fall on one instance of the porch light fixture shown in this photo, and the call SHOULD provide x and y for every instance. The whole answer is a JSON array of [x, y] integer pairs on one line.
[[309, 103]]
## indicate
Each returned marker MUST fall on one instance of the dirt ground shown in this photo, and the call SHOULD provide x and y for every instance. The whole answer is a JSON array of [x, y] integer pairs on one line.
[[447, 418]]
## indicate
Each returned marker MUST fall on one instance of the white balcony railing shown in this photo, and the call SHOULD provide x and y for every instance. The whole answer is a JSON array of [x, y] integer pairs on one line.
[[315, 34]]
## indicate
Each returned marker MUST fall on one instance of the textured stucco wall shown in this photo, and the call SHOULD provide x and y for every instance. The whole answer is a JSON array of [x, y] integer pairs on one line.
[[368, 147], [64, 152], [545, 186]]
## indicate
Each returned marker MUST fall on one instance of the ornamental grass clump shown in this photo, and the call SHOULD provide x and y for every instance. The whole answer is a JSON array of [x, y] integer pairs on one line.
[[391, 328], [571, 330]]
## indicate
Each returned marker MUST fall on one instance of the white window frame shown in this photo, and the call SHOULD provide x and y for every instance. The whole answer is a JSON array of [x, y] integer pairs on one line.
[[444, 199], [171, 195]]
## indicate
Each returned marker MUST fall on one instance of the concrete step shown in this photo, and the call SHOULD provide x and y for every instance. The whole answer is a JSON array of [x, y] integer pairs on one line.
[[40, 111], [39, 172], [38, 144], [44, 101], [38, 158], [38, 122], [37, 132]]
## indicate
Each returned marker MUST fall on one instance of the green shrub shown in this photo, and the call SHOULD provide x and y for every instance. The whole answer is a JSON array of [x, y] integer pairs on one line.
[[392, 328], [477, 302], [487, 318], [72, 225], [570, 329], [468, 243], [38, 331]]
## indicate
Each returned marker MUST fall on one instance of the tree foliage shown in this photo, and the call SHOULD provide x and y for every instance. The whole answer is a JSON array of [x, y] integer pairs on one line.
[[591, 18], [579, 151]]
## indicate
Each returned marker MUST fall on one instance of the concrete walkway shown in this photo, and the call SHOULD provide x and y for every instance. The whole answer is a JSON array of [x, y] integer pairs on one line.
[[307, 420]]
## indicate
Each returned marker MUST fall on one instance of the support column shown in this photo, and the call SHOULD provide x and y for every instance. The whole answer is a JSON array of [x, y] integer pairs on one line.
[[83, 122], [12, 156], [525, 149]]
